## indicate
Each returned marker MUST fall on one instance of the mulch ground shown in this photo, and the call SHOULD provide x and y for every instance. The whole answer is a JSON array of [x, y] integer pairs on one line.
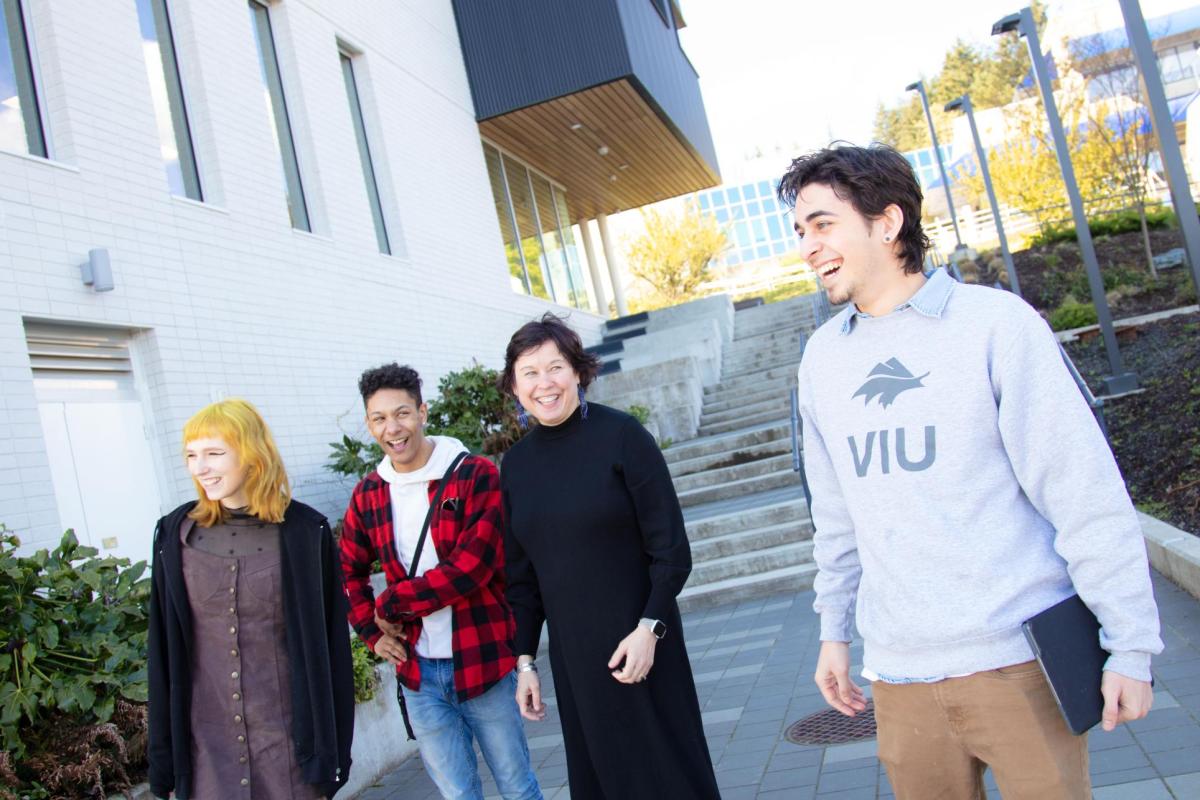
[[1155, 434]]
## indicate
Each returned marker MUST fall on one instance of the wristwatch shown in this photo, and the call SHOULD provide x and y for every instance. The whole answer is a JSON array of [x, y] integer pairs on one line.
[[656, 626]]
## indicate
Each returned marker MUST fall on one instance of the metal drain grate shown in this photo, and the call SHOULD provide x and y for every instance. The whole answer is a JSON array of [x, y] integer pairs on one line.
[[833, 727]]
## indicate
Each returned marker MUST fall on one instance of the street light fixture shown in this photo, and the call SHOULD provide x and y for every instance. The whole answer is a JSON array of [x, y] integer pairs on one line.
[[1164, 130], [1121, 380], [964, 103], [919, 87]]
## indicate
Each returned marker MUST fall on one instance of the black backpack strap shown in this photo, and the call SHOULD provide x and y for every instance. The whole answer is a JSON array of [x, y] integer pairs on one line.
[[416, 561], [437, 499]]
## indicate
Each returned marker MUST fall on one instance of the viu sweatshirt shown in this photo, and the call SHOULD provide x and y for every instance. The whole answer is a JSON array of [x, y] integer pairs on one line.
[[960, 486]]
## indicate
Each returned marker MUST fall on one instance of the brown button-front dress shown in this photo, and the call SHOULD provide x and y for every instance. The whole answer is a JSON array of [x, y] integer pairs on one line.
[[241, 717]]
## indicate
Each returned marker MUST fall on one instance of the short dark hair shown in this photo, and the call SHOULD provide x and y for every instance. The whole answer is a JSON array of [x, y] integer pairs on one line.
[[390, 376], [550, 328], [870, 179]]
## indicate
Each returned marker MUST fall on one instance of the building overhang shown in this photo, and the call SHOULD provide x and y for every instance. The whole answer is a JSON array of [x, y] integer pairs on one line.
[[609, 146]]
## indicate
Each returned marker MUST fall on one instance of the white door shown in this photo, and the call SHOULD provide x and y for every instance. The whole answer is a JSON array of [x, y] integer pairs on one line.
[[95, 433]]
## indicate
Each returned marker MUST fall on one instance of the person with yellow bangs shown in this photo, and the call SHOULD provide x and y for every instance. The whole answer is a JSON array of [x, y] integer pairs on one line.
[[251, 685]]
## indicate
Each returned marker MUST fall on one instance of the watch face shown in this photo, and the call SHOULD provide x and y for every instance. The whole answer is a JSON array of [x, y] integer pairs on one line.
[[659, 628]]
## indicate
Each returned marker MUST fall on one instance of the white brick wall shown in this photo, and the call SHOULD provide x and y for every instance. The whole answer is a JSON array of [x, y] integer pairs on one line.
[[226, 296]]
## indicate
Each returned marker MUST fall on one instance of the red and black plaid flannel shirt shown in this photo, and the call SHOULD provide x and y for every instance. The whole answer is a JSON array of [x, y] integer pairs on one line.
[[466, 530]]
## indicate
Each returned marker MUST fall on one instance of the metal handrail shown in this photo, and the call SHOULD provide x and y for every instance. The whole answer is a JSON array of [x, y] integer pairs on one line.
[[798, 427]]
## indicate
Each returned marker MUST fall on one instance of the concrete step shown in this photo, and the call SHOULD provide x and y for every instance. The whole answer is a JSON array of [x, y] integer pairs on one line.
[[743, 455], [779, 413], [754, 381], [800, 304], [734, 472], [787, 580], [750, 540], [794, 323], [726, 443], [766, 514], [788, 348], [780, 337], [768, 401], [741, 565], [743, 399], [776, 388], [740, 488], [756, 367]]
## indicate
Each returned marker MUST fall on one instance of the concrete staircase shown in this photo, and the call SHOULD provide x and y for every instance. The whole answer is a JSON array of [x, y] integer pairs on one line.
[[743, 505]]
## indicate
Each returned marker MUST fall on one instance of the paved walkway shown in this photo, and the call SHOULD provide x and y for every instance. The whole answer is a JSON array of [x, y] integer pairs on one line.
[[753, 664]]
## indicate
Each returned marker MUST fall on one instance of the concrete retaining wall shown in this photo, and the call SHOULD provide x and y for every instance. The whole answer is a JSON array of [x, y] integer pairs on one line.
[[1174, 553], [718, 307], [701, 339], [673, 391]]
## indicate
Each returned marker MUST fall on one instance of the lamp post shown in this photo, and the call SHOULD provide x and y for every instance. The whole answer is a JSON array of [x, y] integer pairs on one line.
[[919, 87], [1164, 130], [964, 103], [1121, 380]]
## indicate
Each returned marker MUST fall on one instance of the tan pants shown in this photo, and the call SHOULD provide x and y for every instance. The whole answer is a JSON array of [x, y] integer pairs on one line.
[[935, 739]]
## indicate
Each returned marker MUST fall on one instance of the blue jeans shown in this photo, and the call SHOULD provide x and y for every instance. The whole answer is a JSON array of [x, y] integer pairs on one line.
[[445, 728]]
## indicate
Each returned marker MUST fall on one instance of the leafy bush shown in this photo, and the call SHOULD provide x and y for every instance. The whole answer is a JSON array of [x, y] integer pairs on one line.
[[640, 413], [366, 679], [471, 408], [73, 638], [1073, 314], [353, 458], [1107, 225]]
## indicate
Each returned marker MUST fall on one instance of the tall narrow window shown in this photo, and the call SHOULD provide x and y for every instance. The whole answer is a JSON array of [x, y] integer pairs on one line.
[[364, 154], [20, 118], [277, 110], [174, 137]]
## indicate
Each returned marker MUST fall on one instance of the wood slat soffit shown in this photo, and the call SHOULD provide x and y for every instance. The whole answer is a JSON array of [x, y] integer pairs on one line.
[[649, 160]]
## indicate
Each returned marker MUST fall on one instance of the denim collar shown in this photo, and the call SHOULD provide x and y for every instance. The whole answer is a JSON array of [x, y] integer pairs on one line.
[[929, 300]]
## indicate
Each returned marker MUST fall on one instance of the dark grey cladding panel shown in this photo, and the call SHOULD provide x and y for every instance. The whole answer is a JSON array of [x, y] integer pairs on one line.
[[609, 367], [606, 348], [665, 74], [522, 52]]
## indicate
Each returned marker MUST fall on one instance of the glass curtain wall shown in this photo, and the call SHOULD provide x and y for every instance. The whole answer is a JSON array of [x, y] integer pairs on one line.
[[539, 244], [20, 119], [175, 140]]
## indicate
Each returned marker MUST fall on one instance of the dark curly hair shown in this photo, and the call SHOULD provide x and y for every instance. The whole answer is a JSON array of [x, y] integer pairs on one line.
[[549, 328], [390, 376], [870, 179]]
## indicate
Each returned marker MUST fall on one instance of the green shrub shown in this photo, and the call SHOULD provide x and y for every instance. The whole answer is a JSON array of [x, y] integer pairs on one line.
[[640, 413], [471, 408], [366, 679], [353, 458], [1107, 225], [73, 639], [1072, 314]]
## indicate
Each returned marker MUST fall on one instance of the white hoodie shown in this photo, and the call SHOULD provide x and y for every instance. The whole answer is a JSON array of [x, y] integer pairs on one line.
[[410, 504]]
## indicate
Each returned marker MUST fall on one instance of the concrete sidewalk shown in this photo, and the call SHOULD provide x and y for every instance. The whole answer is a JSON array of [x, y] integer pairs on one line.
[[753, 663]]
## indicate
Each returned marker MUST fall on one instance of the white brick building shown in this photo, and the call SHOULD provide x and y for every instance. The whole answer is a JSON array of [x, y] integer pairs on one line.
[[228, 296]]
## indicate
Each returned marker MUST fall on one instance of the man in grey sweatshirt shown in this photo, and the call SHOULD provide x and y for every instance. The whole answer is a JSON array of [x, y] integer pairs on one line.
[[960, 486]]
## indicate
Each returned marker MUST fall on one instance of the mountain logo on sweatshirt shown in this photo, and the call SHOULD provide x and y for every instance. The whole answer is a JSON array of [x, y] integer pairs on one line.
[[886, 381]]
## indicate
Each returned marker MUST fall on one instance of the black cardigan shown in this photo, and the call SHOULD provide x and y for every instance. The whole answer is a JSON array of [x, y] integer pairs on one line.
[[322, 676]]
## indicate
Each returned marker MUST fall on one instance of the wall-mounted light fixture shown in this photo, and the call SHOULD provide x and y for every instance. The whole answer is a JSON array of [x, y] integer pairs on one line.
[[97, 271]]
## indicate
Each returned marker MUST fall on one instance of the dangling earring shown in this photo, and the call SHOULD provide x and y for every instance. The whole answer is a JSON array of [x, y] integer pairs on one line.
[[582, 404], [522, 416]]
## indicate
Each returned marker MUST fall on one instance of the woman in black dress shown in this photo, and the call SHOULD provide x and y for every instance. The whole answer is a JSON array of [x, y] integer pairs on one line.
[[596, 547], [251, 685]]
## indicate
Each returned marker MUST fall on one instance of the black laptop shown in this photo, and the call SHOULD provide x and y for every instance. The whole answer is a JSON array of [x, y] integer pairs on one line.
[[1066, 640]]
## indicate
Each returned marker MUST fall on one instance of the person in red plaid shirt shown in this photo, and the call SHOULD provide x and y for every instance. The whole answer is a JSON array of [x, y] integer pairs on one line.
[[444, 622]]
